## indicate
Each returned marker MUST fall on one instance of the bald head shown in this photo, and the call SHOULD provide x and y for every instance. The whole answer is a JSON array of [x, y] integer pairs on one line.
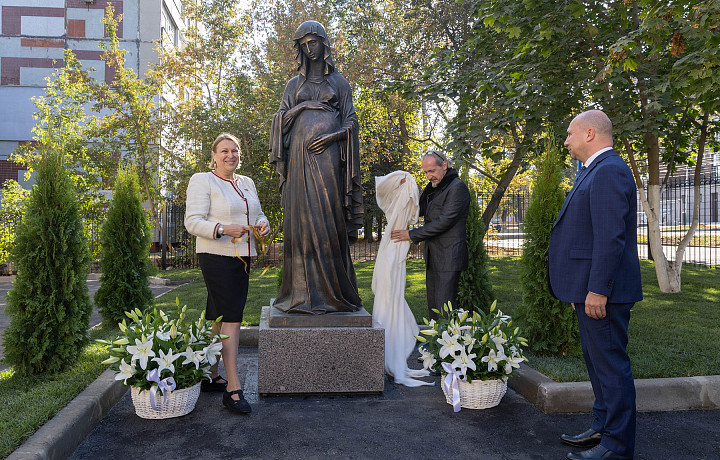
[[597, 120], [588, 132]]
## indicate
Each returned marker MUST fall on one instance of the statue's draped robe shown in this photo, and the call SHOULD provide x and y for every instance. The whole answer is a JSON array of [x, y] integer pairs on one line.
[[321, 197], [399, 202]]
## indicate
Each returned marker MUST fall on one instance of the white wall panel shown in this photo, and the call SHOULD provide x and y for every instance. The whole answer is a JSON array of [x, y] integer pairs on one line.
[[16, 119], [34, 76], [42, 26]]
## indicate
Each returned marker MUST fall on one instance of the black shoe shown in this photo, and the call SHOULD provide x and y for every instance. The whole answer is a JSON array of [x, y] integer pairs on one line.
[[597, 453], [215, 385], [239, 407], [587, 439]]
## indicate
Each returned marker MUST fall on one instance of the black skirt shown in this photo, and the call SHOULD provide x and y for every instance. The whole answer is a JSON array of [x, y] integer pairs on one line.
[[226, 279]]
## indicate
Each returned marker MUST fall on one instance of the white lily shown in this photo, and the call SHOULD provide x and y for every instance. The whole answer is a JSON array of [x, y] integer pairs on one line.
[[468, 340], [449, 344], [511, 362], [428, 359], [492, 360], [502, 316], [126, 371], [141, 351], [499, 341], [212, 351], [163, 335], [191, 356], [464, 361], [165, 361]]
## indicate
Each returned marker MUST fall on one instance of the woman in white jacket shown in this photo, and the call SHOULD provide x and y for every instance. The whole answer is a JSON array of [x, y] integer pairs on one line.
[[221, 207]]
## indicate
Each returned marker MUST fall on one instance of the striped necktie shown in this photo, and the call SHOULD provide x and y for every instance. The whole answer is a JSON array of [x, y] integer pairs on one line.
[[580, 172]]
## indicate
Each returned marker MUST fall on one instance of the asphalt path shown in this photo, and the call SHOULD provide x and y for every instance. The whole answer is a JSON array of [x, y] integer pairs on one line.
[[93, 286], [400, 423]]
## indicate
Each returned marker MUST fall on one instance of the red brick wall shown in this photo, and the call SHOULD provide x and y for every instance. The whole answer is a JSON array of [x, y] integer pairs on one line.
[[9, 170]]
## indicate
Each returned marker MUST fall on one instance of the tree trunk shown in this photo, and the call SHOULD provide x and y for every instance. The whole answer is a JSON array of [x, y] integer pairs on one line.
[[503, 185], [667, 280]]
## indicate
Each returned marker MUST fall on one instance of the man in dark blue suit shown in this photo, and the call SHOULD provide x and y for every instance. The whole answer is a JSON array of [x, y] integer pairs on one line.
[[593, 265]]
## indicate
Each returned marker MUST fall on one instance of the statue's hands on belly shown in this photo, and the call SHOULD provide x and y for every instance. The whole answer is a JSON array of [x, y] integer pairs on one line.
[[322, 142]]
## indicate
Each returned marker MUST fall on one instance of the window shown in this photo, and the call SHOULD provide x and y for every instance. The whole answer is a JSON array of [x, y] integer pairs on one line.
[[169, 29]]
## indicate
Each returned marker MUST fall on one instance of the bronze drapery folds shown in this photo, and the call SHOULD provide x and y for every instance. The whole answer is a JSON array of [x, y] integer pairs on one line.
[[314, 147]]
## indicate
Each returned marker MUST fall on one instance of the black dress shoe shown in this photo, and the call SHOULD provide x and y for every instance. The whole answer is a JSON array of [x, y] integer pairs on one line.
[[238, 406], [597, 453], [215, 385], [587, 439]]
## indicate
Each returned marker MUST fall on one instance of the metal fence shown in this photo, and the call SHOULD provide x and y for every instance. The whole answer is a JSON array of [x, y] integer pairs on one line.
[[505, 236], [179, 249], [175, 247]]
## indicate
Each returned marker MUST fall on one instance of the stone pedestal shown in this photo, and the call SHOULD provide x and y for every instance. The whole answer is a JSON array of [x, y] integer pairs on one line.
[[325, 354]]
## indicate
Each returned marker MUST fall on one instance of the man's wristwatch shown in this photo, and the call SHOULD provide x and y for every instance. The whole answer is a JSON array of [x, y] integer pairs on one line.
[[220, 231]]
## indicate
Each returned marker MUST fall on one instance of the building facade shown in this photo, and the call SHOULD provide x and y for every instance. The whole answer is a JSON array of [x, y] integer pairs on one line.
[[34, 35]]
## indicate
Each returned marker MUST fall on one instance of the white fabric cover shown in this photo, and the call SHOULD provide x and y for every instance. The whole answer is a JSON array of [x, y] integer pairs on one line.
[[399, 202]]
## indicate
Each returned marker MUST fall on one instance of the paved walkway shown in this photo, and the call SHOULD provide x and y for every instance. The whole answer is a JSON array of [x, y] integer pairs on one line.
[[400, 423], [93, 286]]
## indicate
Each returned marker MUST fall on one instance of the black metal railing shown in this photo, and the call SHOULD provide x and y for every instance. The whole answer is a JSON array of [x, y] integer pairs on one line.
[[175, 247]]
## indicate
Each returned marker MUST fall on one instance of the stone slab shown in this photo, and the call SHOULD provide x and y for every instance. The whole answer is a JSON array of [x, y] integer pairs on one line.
[[320, 359], [360, 318]]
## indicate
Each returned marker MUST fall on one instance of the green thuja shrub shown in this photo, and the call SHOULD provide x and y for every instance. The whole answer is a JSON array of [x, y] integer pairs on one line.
[[475, 290], [124, 262], [48, 305], [548, 324]]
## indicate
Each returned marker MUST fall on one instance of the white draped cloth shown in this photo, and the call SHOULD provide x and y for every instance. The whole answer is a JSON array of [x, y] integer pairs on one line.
[[399, 202]]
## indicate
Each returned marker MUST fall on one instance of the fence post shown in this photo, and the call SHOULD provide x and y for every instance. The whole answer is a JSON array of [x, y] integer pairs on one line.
[[163, 237]]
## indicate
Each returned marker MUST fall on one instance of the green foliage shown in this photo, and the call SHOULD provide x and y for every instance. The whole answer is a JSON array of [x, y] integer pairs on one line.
[[48, 305], [549, 324], [29, 402], [14, 198], [475, 291], [125, 251]]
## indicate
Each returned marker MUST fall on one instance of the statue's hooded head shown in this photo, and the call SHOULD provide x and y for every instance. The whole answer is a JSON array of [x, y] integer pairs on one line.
[[312, 28]]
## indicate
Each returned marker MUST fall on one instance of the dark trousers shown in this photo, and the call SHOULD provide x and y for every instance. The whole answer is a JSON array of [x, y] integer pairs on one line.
[[442, 287], [604, 347]]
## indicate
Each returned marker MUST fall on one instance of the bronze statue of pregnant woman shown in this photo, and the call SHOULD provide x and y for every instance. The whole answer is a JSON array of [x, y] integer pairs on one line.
[[314, 147]]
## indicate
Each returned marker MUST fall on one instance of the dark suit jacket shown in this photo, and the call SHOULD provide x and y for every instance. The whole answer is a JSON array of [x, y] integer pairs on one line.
[[444, 231], [593, 244]]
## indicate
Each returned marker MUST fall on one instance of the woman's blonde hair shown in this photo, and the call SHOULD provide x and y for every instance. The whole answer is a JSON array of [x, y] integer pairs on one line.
[[223, 137]]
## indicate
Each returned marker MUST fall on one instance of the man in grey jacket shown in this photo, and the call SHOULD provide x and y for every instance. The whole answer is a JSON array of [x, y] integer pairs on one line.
[[445, 203]]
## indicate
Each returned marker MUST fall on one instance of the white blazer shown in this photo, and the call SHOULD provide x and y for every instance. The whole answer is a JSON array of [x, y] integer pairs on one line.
[[211, 201]]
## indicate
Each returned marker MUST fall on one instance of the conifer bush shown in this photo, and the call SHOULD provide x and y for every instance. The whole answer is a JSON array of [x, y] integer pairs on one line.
[[48, 305], [475, 290], [125, 240], [548, 324]]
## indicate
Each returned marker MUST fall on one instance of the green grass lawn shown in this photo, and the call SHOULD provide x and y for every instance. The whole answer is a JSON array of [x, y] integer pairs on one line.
[[671, 335]]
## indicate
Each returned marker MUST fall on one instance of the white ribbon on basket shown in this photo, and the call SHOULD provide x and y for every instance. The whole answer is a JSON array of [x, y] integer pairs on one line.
[[165, 385], [450, 384]]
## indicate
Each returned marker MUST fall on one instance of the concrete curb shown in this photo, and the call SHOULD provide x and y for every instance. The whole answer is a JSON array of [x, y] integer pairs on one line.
[[61, 435], [653, 395]]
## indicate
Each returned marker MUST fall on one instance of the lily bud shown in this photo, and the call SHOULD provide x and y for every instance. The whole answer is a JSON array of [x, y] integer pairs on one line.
[[173, 332], [111, 360]]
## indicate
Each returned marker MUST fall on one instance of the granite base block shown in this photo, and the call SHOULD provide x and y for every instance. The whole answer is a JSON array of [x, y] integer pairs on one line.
[[320, 360]]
